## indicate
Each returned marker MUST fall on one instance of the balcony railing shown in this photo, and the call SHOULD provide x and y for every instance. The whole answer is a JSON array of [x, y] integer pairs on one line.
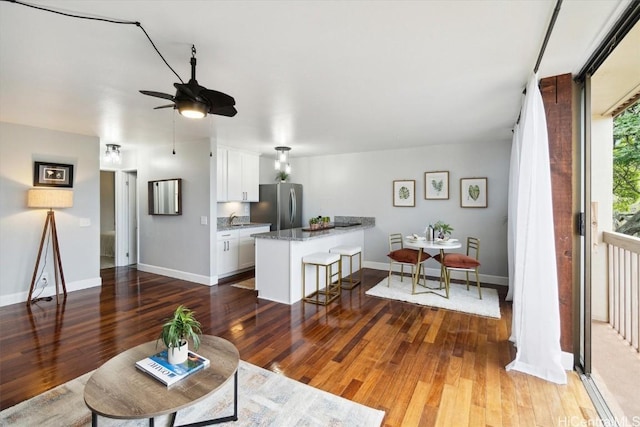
[[624, 297]]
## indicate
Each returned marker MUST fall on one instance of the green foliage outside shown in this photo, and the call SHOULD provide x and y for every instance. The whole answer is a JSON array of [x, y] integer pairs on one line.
[[626, 170]]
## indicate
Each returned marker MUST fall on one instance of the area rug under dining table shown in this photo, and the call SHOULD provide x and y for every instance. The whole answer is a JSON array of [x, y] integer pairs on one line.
[[264, 399], [460, 299]]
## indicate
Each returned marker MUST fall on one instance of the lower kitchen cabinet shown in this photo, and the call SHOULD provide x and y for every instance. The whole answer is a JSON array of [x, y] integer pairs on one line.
[[237, 250], [227, 248]]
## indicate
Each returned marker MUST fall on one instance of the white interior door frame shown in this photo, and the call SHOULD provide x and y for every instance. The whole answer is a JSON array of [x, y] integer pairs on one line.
[[126, 246]]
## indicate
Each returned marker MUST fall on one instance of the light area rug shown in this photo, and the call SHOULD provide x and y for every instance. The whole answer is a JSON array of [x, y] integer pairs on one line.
[[264, 399], [246, 284], [459, 298]]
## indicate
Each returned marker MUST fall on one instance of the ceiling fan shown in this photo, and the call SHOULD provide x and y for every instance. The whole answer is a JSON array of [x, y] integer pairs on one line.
[[195, 101]]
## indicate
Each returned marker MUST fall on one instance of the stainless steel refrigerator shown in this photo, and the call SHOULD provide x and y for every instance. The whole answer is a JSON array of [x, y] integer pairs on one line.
[[280, 204]]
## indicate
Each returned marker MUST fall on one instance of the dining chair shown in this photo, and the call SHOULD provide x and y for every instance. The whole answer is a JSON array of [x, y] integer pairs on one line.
[[468, 263], [402, 256]]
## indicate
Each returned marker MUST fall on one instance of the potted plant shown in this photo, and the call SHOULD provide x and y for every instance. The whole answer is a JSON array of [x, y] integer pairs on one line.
[[176, 332], [282, 176], [443, 229], [325, 221], [314, 223]]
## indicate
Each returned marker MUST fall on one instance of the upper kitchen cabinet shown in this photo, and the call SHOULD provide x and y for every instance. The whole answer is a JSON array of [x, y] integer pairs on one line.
[[238, 175]]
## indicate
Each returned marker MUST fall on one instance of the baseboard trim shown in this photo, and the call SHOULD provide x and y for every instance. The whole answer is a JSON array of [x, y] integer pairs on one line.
[[435, 272], [177, 274], [51, 290]]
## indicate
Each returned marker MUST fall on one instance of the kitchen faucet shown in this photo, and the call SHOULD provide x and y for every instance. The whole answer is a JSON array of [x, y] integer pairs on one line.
[[232, 217]]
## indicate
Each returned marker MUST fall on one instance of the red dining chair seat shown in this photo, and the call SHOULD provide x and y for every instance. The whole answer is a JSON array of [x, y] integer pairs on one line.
[[399, 255], [461, 262], [458, 261], [408, 256]]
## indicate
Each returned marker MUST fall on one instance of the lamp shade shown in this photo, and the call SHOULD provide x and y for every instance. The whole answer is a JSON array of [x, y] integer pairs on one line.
[[49, 198]]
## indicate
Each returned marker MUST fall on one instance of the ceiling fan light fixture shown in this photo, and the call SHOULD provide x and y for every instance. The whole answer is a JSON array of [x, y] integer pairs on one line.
[[112, 154], [192, 109]]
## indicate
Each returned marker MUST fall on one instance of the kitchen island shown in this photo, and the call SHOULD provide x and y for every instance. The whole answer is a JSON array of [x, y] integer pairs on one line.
[[279, 255]]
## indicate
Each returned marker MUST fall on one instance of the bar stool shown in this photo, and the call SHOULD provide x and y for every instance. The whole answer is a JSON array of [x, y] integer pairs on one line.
[[331, 291], [349, 251]]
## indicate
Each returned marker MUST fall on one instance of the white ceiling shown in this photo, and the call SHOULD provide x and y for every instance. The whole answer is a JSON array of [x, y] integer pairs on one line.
[[320, 76]]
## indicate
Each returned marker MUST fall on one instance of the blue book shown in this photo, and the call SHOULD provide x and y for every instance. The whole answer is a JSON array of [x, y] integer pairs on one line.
[[158, 366]]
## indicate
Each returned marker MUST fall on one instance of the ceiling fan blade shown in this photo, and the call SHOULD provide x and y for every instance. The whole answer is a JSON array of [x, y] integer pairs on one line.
[[187, 89], [157, 94], [165, 106], [217, 99], [228, 111]]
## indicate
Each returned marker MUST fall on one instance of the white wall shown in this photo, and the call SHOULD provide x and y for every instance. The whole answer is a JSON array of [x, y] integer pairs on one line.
[[21, 227], [178, 246], [360, 184]]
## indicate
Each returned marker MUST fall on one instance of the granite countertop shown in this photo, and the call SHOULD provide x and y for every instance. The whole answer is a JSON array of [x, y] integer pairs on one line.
[[243, 226], [298, 235]]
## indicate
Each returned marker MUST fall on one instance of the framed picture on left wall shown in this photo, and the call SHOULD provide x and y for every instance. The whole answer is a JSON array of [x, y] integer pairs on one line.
[[47, 174], [404, 193]]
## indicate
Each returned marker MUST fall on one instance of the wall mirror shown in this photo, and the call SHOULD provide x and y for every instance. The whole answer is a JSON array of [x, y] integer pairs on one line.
[[165, 197]]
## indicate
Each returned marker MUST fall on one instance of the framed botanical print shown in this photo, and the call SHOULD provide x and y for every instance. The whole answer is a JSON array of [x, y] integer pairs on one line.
[[52, 175], [436, 185], [473, 192], [404, 193]]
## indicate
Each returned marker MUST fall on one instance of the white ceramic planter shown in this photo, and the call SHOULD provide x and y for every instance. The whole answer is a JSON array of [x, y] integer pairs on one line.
[[178, 355]]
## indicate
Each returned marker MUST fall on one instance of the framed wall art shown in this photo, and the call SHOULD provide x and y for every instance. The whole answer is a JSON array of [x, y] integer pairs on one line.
[[473, 192], [52, 175], [404, 193], [436, 185]]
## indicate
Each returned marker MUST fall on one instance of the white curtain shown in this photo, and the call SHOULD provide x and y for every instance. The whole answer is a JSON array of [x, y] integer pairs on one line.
[[514, 170], [536, 311]]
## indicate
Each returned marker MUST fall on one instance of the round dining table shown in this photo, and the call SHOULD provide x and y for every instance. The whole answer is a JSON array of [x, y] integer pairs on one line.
[[423, 245]]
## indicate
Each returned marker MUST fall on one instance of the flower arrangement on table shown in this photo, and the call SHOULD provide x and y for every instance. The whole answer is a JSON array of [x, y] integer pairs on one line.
[[443, 229]]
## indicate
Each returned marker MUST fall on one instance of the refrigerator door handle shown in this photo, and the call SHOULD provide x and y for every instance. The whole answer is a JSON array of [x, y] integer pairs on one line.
[[292, 205]]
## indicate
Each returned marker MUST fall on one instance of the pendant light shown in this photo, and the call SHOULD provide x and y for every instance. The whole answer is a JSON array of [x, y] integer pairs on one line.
[[282, 159]]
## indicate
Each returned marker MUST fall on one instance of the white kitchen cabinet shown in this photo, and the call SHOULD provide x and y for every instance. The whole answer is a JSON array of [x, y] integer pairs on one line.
[[247, 247], [227, 251], [236, 249], [238, 176]]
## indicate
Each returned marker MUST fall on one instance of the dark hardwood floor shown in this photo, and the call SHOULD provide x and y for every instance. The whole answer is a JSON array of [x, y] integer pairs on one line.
[[421, 365]]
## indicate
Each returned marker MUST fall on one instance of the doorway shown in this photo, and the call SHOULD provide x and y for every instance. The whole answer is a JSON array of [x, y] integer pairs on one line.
[[608, 355], [118, 219], [107, 219]]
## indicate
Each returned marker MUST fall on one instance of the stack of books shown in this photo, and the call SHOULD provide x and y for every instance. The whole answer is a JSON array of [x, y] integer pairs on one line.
[[158, 367]]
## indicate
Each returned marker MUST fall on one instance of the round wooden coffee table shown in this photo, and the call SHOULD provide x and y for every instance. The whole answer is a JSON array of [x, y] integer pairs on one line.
[[118, 390]]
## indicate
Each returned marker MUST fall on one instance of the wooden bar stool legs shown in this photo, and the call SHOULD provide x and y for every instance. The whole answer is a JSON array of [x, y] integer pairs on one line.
[[331, 290]]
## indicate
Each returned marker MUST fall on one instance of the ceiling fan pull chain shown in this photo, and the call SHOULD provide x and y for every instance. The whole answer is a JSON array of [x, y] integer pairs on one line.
[[193, 50]]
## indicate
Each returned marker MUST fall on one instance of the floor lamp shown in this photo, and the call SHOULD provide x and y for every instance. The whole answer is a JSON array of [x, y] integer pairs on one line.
[[49, 199]]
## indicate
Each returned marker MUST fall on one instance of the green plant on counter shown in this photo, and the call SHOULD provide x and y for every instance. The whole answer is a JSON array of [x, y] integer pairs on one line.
[[180, 328]]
